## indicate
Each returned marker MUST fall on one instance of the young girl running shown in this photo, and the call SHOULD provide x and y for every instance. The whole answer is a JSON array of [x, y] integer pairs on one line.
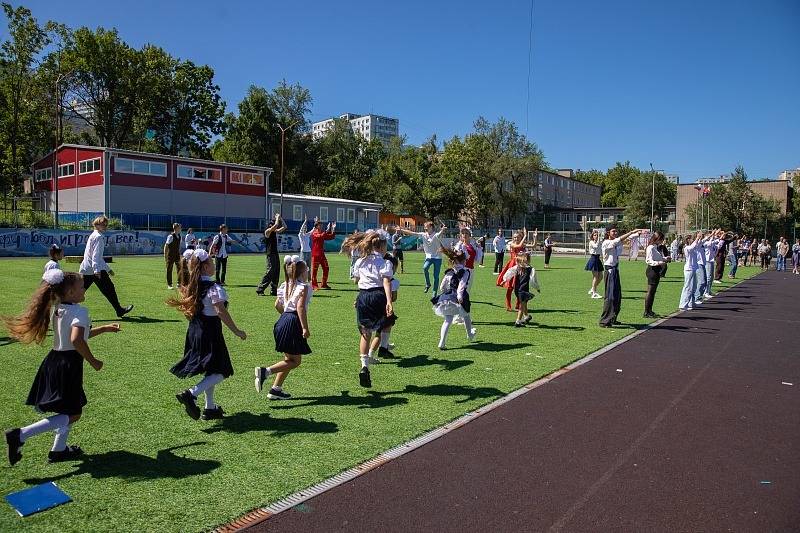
[[383, 349], [204, 303], [58, 385], [453, 299], [374, 310], [56, 254], [518, 244], [291, 330], [595, 264], [524, 276], [183, 267]]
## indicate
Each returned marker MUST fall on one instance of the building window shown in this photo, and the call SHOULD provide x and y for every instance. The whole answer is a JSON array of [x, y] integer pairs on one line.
[[340, 214], [89, 165], [199, 173], [44, 174], [247, 178], [323, 214], [67, 170], [136, 166], [351, 216], [297, 212]]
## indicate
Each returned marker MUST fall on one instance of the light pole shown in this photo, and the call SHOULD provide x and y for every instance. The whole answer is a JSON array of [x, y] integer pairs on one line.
[[55, 145], [652, 198], [283, 139]]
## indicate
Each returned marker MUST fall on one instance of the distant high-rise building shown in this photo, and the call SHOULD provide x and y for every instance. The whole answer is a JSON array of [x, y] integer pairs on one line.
[[789, 175], [368, 126]]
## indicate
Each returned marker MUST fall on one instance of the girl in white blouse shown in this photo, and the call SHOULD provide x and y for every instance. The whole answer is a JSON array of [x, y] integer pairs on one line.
[[655, 264], [291, 331], [58, 386], [595, 264]]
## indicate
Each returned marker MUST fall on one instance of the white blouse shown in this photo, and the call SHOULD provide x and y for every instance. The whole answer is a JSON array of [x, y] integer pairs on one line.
[[215, 294], [65, 316], [290, 304], [52, 265], [595, 247], [93, 262], [431, 244], [653, 256], [371, 270]]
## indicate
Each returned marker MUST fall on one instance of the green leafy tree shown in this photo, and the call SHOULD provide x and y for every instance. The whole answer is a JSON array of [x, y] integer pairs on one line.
[[649, 186]]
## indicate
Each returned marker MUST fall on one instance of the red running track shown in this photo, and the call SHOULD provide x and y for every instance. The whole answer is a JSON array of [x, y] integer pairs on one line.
[[696, 433]]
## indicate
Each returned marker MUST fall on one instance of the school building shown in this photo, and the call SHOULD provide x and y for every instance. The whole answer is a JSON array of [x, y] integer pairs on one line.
[[151, 191]]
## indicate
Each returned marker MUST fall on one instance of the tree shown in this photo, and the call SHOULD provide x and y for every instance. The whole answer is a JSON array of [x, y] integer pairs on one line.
[[649, 186], [291, 105], [20, 105]]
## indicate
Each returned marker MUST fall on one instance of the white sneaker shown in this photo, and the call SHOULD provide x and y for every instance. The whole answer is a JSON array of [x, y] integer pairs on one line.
[[471, 334], [169, 287], [458, 319], [591, 292], [717, 281], [596, 296]]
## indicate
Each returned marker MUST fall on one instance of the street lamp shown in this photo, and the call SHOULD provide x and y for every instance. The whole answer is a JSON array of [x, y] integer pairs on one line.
[[56, 143], [652, 198], [283, 139]]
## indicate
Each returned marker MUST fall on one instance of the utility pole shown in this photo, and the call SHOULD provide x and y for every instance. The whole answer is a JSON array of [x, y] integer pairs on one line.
[[652, 199], [283, 140]]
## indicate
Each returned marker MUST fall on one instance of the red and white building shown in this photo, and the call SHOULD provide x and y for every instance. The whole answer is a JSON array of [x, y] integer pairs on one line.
[[110, 180]]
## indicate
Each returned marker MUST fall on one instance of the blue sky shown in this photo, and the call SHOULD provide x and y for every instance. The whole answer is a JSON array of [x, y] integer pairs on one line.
[[695, 87]]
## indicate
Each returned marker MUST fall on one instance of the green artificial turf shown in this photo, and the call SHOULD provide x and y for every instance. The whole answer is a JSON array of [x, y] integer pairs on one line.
[[149, 467]]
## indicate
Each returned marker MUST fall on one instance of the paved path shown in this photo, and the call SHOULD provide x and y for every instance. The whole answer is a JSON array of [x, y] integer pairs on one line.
[[696, 433]]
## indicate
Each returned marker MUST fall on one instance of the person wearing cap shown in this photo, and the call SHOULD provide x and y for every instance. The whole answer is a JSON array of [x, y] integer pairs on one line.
[[56, 254]]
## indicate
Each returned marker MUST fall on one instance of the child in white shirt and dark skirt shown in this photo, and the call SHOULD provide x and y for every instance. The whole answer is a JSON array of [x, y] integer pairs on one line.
[[291, 331], [204, 303], [58, 385], [374, 310], [453, 299]]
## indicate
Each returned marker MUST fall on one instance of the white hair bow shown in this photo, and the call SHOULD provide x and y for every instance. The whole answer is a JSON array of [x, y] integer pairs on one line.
[[53, 276], [201, 255]]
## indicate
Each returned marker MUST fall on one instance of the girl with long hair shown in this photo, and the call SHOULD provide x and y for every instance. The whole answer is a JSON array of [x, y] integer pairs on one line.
[[205, 304], [453, 299], [595, 264], [56, 254], [58, 385], [291, 331], [374, 309]]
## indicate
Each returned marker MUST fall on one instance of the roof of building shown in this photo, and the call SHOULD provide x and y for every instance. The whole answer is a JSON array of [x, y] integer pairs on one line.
[[325, 199], [156, 156]]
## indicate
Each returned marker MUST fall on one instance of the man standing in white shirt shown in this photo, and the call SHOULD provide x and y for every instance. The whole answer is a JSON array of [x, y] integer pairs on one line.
[[499, 244], [219, 249], [612, 249]]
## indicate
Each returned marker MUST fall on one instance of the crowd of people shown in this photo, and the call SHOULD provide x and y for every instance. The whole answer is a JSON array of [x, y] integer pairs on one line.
[[377, 258]]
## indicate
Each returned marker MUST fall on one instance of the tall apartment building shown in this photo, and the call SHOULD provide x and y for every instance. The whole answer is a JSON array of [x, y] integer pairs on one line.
[[368, 126], [789, 175]]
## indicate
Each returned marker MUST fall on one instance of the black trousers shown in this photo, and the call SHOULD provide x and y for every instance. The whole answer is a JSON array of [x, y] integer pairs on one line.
[[106, 286], [613, 297], [548, 251], [170, 264], [271, 276], [222, 268], [653, 278], [498, 261]]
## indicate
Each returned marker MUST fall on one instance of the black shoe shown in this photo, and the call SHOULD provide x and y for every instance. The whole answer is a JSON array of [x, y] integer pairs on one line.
[[427, 288], [384, 352], [606, 325], [69, 453], [519, 325], [14, 444], [190, 403], [364, 378], [260, 293], [617, 323], [273, 293], [213, 414], [649, 315], [124, 311], [275, 394]]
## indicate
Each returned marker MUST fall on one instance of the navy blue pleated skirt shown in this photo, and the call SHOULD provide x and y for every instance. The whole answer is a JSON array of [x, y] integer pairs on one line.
[[204, 351], [58, 385], [288, 332], [594, 264], [371, 310]]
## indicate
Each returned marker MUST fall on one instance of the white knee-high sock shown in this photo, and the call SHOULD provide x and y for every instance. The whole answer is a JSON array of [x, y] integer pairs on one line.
[[364, 360], [51, 423], [448, 320], [385, 338], [60, 441], [208, 381], [210, 398], [468, 324]]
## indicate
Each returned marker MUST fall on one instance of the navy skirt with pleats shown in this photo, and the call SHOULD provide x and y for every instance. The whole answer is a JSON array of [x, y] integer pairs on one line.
[[288, 332], [371, 310], [204, 351], [58, 385]]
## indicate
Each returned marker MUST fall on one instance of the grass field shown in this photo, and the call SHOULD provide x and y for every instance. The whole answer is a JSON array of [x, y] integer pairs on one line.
[[149, 467]]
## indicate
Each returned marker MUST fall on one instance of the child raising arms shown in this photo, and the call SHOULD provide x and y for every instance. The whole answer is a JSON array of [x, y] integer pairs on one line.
[[524, 276], [58, 385]]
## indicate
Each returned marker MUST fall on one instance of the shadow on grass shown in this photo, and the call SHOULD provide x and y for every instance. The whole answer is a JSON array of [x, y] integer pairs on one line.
[[136, 467], [246, 422], [568, 328], [494, 347], [489, 304], [427, 360], [565, 311], [5, 341], [140, 320], [373, 400]]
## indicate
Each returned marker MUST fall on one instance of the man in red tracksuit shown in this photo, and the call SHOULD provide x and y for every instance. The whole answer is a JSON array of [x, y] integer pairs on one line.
[[318, 238]]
